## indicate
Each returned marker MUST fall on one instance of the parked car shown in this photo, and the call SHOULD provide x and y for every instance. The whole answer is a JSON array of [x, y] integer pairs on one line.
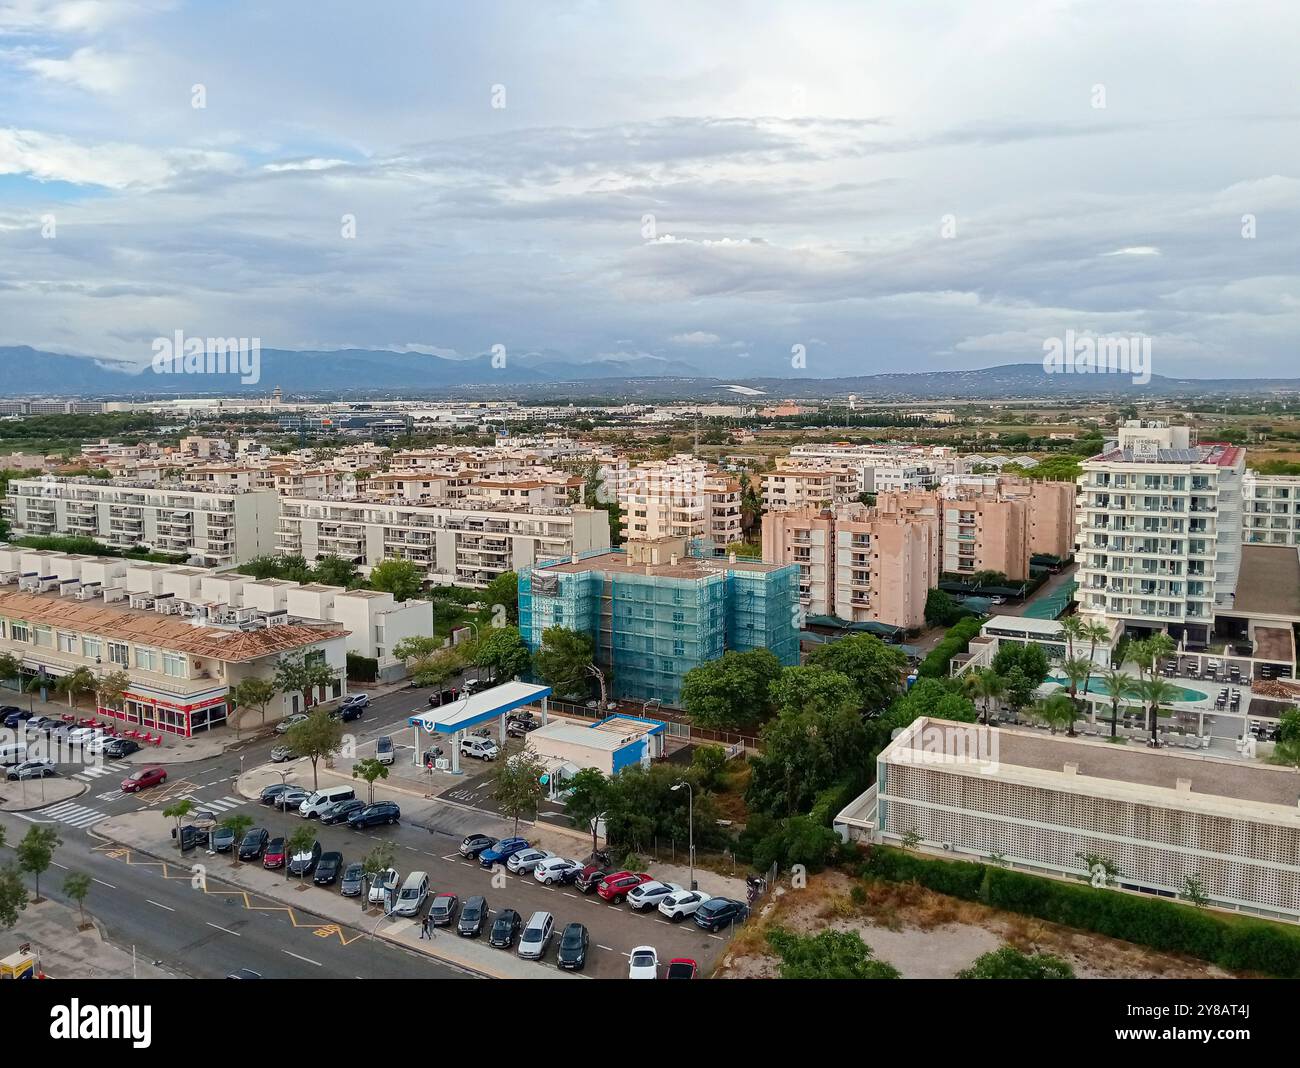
[[471, 686], [480, 748], [289, 721], [143, 779], [281, 753], [474, 844], [304, 863], [221, 839], [504, 929], [374, 815], [643, 964], [341, 810], [557, 871], [384, 751], [291, 800], [501, 851], [328, 868], [254, 843], [589, 878], [526, 860], [719, 912], [383, 886], [681, 968], [275, 857], [12, 715], [536, 936], [443, 910], [648, 895], [572, 953], [520, 726], [117, 748], [352, 707], [96, 743], [615, 888], [270, 793], [353, 880], [410, 898], [83, 735], [682, 903], [32, 769], [473, 915]]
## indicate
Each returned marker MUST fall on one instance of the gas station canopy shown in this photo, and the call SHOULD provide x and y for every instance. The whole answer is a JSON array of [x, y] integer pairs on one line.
[[482, 707]]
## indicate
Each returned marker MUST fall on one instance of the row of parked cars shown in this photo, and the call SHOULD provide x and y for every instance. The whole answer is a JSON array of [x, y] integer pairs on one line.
[[333, 804]]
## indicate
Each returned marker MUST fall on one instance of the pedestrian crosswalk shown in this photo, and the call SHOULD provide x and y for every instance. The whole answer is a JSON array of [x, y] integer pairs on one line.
[[220, 805], [93, 771], [74, 815]]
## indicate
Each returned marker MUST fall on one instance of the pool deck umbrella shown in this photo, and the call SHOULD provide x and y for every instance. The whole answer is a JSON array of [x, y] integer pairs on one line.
[[496, 702]]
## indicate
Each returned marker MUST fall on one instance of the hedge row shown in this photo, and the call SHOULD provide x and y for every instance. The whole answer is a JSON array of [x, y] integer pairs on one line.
[[1233, 942], [362, 668], [957, 640]]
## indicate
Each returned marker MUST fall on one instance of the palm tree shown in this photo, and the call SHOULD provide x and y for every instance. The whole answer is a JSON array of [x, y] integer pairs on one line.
[[985, 685], [1076, 670], [1119, 684], [1071, 630], [1057, 711], [76, 683], [178, 812], [1154, 692], [1094, 633]]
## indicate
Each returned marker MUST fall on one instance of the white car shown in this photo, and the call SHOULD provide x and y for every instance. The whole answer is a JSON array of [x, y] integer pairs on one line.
[[556, 870], [284, 724], [95, 743], [644, 963], [83, 736], [482, 748], [32, 769], [648, 895], [682, 903], [526, 860], [383, 887]]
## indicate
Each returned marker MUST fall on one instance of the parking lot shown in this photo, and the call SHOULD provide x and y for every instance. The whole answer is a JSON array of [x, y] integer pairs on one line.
[[614, 930]]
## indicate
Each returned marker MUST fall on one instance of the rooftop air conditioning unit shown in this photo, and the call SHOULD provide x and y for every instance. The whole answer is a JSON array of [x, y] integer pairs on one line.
[[114, 593]]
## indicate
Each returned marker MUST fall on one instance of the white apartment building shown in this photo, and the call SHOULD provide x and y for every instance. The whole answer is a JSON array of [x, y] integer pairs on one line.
[[1270, 513], [811, 484], [681, 497], [212, 527], [1159, 532], [463, 543]]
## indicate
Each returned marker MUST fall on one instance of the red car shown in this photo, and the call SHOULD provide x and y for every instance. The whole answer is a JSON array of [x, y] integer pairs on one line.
[[681, 968], [138, 780], [615, 887], [276, 854]]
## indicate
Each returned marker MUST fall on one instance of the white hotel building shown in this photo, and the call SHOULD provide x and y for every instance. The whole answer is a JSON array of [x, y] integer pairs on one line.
[[1270, 513], [1159, 532]]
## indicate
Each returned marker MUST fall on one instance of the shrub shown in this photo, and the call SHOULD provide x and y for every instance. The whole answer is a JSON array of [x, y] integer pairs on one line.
[[362, 668]]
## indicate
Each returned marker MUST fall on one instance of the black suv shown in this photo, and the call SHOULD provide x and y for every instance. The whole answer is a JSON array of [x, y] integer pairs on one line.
[[718, 912], [254, 844], [373, 815], [504, 929], [472, 915], [572, 953]]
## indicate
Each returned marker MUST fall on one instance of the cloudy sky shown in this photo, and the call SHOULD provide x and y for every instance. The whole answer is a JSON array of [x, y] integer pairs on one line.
[[891, 186]]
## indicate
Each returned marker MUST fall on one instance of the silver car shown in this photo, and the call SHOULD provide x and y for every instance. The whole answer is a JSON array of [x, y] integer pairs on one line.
[[32, 769], [281, 753], [526, 860]]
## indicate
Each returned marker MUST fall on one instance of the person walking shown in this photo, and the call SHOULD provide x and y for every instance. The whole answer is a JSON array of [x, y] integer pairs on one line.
[[424, 927]]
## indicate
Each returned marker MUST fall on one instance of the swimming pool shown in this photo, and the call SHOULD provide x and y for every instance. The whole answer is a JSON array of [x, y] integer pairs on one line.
[[1097, 686]]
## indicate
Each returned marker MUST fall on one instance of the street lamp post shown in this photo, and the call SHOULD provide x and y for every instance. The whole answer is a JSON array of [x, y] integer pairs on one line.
[[690, 823]]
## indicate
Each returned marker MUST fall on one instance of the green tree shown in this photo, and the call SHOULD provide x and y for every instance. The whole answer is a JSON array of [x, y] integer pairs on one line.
[[36, 853], [829, 954], [1094, 633], [111, 689], [805, 751], [77, 886], [301, 839], [517, 786], [563, 661], [298, 673], [1072, 631], [732, 692], [1011, 963], [176, 812], [985, 685], [941, 609], [1155, 693], [10, 667], [417, 647], [709, 760], [936, 698], [13, 896], [588, 797], [380, 858], [803, 689], [1119, 685], [1058, 711], [370, 769], [877, 669], [319, 735], [1019, 689], [1076, 669], [503, 652], [254, 693], [239, 825], [402, 578], [77, 684], [333, 570], [1031, 659], [504, 591]]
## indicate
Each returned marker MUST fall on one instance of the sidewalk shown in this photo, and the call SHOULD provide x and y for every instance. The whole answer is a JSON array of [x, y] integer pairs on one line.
[[67, 953], [143, 831], [37, 793]]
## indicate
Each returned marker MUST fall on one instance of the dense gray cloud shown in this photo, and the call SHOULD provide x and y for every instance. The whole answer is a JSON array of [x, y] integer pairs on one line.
[[924, 186]]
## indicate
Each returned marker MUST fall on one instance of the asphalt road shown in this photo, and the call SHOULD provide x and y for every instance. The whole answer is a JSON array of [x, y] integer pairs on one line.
[[188, 930]]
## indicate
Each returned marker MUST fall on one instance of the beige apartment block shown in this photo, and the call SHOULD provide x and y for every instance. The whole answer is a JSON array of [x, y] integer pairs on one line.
[[681, 497], [1270, 509], [810, 485]]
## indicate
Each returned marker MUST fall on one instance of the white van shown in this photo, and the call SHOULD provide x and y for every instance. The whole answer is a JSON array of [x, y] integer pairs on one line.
[[12, 753], [411, 897], [317, 802]]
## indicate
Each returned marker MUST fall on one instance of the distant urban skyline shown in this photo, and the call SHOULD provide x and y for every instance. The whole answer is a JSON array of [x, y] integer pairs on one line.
[[755, 190]]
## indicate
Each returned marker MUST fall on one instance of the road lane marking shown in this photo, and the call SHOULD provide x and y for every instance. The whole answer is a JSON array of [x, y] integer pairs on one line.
[[608, 948], [102, 883], [306, 960], [153, 902], [227, 930]]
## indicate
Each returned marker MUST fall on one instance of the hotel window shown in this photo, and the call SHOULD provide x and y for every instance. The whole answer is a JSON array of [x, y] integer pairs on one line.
[[67, 642], [145, 659], [119, 653], [90, 648], [18, 632], [174, 665]]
